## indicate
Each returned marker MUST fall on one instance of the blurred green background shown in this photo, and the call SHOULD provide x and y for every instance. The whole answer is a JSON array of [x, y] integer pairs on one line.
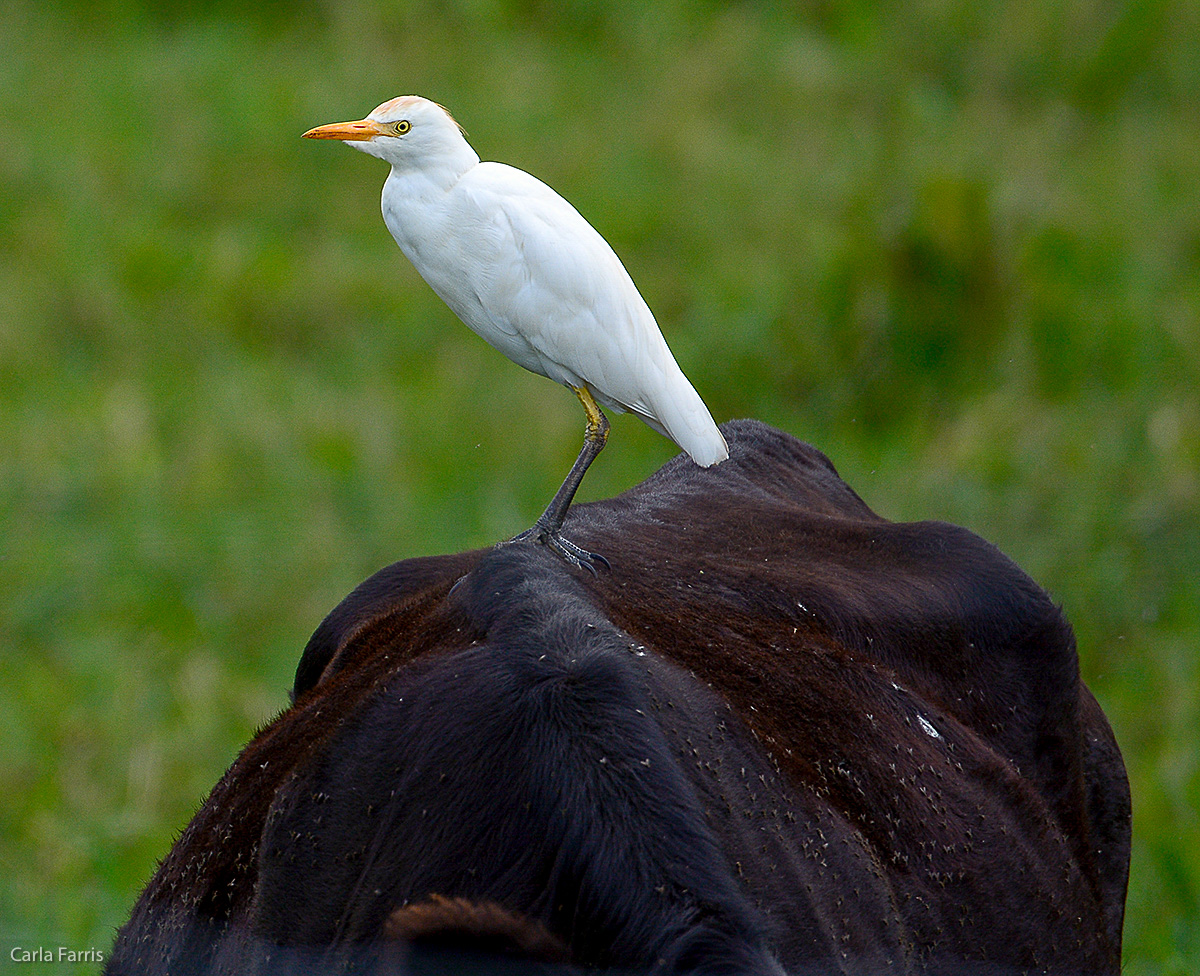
[[954, 245]]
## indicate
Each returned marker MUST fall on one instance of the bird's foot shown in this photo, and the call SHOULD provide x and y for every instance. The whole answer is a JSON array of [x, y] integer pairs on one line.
[[563, 548]]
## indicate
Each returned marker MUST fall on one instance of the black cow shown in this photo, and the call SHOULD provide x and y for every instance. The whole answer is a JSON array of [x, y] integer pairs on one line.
[[781, 734]]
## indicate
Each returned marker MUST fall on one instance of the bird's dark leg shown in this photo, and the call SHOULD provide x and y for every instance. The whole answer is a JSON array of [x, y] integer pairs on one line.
[[546, 529]]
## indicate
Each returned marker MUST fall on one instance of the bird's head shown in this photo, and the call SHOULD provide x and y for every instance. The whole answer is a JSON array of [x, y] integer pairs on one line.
[[409, 132]]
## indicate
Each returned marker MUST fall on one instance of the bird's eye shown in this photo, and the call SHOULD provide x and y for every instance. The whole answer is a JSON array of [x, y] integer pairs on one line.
[[401, 127]]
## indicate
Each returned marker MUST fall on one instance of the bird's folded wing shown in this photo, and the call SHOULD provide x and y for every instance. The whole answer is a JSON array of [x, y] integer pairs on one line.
[[547, 275]]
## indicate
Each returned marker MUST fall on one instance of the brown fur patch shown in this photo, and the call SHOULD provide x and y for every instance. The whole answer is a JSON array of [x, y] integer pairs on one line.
[[480, 926]]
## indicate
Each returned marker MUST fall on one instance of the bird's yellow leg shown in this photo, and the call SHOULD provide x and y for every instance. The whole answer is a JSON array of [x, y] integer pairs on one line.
[[597, 423], [546, 528]]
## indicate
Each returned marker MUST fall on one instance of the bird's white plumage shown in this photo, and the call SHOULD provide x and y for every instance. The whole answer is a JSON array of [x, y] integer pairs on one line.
[[520, 266]]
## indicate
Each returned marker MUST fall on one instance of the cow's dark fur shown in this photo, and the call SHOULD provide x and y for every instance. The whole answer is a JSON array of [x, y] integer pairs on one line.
[[781, 731]]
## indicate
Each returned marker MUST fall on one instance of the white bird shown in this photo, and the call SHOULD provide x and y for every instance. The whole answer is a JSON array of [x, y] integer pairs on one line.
[[522, 268]]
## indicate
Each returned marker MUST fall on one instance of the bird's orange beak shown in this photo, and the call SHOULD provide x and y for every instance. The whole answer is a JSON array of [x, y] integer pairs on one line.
[[361, 131]]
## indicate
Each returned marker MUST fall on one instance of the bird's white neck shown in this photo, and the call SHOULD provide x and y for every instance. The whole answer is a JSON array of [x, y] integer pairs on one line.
[[415, 201], [432, 177]]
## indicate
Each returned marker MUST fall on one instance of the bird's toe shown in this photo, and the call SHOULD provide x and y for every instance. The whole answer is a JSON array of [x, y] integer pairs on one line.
[[563, 548], [579, 558]]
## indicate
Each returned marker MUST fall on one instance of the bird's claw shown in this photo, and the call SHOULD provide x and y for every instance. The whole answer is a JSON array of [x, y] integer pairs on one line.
[[579, 558], [563, 548]]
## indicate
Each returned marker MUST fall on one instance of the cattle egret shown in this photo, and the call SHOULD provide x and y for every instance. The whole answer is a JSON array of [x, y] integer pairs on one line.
[[529, 275]]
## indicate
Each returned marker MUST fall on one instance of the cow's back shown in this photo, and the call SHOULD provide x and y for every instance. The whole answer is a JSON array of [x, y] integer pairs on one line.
[[781, 729]]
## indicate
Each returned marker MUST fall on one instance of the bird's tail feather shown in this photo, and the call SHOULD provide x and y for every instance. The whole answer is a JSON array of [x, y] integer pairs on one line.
[[681, 415]]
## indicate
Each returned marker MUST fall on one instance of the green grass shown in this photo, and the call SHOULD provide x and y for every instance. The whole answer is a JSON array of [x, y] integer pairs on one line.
[[957, 247]]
